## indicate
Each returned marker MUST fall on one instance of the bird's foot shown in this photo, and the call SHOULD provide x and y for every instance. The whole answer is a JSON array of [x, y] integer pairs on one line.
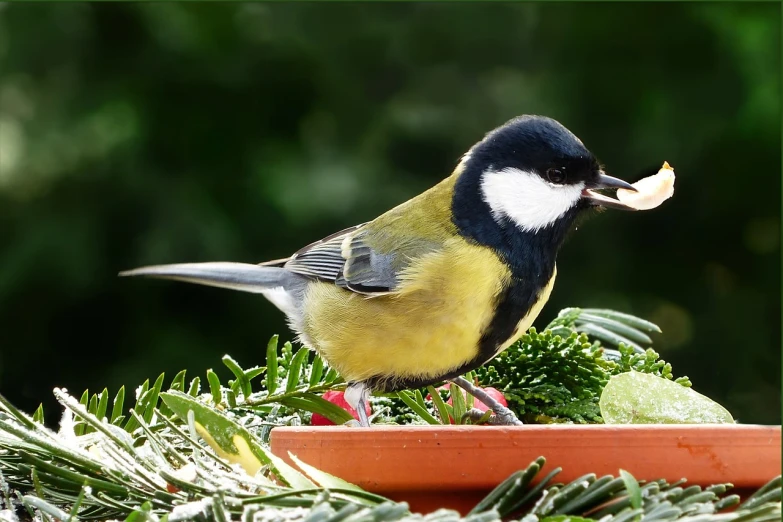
[[476, 415], [357, 394], [503, 416]]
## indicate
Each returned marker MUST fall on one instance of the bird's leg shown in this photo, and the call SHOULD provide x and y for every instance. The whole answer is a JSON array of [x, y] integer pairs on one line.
[[356, 395], [505, 417]]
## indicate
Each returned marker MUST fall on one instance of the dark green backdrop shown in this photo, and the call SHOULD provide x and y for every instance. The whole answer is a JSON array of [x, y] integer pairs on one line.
[[151, 133]]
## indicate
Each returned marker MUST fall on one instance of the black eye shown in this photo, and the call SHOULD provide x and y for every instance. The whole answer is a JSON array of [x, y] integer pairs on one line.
[[557, 176]]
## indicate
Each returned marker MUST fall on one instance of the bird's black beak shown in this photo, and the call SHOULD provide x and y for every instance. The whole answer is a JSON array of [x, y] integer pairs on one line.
[[602, 181]]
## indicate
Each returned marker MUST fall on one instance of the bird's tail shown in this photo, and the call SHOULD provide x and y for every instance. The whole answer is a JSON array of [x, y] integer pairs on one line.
[[235, 276]]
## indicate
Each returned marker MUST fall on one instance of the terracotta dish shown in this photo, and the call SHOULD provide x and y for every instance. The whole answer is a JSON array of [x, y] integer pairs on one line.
[[455, 466]]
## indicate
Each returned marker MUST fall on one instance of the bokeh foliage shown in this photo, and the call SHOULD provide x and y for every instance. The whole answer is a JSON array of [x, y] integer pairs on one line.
[[152, 133]]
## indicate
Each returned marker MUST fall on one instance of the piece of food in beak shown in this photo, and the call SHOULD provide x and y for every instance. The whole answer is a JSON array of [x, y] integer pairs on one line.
[[602, 181], [650, 191]]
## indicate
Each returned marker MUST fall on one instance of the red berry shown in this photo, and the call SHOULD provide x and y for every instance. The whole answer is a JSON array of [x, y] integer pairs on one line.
[[337, 398], [492, 392]]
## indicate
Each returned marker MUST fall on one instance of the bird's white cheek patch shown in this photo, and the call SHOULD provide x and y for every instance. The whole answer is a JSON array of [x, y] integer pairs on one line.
[[526, 199]]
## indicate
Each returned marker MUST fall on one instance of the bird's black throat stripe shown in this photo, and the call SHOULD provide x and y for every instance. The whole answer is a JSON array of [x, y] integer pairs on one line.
[[530, 256]]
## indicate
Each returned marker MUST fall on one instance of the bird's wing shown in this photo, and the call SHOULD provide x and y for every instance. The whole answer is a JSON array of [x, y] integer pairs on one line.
[[348, 260], [370, 258], [361, 259], [322, 259], [367, 270]]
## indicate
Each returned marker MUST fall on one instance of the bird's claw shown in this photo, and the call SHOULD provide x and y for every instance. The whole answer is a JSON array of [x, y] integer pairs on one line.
[[475, 415], [504, 417]]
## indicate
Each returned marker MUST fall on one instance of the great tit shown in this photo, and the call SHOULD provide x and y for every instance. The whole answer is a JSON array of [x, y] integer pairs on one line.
[[442, 283]]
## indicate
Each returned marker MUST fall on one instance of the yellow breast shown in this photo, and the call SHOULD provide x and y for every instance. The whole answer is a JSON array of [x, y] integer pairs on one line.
[[430, 326]]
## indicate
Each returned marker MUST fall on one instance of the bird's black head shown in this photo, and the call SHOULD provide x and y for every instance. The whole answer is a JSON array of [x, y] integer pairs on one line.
[[525, 183], [539, 146], [531, 173]]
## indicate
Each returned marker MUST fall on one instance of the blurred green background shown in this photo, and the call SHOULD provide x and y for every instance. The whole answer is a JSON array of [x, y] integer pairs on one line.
[[133, 134]]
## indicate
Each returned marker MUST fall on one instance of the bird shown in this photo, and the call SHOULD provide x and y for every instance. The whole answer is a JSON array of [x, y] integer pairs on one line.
[[442, 283]]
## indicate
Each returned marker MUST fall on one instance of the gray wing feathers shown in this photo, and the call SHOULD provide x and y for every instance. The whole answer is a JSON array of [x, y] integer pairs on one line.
[[347, 261], [368, 271], [322, 260]]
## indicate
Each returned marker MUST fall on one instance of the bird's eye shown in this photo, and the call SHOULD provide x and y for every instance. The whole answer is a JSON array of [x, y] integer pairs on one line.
[[557, 176]]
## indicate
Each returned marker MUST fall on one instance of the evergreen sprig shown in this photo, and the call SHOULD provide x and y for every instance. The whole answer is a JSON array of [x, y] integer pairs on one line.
[[287, 389], [558, 375], [109, 472]]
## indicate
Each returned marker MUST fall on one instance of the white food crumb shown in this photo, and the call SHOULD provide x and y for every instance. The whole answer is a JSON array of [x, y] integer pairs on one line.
[[191, 510], [651, 191]]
